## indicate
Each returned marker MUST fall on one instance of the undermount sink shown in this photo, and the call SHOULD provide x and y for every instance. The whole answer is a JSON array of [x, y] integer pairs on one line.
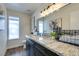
[[40, 38]]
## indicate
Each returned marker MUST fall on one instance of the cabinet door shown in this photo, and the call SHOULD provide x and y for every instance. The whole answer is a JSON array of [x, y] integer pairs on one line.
[[40, 51], [37, 52], [30, 47], [44, 51], [35, 49]]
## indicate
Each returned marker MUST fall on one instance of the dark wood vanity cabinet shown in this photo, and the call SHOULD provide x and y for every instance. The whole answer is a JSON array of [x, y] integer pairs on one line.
[[30, 47], [35, 49]]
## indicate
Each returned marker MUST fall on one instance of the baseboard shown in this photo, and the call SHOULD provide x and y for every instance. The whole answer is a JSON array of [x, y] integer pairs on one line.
[[15, 46]]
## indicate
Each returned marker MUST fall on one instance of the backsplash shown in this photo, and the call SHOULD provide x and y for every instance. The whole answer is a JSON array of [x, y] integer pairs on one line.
[[71, 32], [70, 36]]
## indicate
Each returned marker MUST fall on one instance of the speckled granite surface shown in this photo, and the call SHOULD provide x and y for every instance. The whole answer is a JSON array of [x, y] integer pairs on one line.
[[62, 48]]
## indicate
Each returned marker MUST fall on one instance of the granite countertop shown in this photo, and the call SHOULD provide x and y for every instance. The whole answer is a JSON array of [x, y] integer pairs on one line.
[[60, 47]]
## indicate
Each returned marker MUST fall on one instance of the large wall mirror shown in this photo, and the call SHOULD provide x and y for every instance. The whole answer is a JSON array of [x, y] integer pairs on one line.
[[40, 26], [43, 26]]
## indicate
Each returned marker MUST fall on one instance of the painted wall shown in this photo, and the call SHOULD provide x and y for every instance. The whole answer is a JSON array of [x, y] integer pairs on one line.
[[37, 15], [64, 13], [3, 33], [74, 21], [25, 27]]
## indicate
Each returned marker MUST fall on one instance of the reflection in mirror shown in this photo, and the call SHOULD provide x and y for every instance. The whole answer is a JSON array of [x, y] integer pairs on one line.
[[43, 26], [40, 27]]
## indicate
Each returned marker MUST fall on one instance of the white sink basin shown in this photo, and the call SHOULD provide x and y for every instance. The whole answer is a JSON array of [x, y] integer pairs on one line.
[[40, 38]]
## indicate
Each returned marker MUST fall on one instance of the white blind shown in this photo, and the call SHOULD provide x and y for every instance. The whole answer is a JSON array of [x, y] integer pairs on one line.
[[13, 27]]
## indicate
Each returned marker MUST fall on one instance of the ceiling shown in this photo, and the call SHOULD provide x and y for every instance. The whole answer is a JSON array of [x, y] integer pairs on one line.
[[28, 8]]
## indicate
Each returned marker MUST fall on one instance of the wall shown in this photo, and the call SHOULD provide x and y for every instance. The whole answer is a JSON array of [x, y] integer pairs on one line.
[[3, 33], [64, 13], [25, 27], [37, 15], [74, 21]]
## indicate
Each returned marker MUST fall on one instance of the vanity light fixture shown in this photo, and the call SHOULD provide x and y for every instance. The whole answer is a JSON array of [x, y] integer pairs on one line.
[[51, 8]]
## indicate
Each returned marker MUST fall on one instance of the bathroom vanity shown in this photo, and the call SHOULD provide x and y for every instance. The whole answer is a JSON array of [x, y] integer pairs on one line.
[[35, 49], [46, 46]]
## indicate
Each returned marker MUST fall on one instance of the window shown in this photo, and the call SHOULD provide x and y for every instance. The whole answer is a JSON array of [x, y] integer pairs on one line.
[[13, 27]]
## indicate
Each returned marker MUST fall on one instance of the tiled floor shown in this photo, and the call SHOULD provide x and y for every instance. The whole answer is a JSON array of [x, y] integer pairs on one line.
[[19, 51]]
